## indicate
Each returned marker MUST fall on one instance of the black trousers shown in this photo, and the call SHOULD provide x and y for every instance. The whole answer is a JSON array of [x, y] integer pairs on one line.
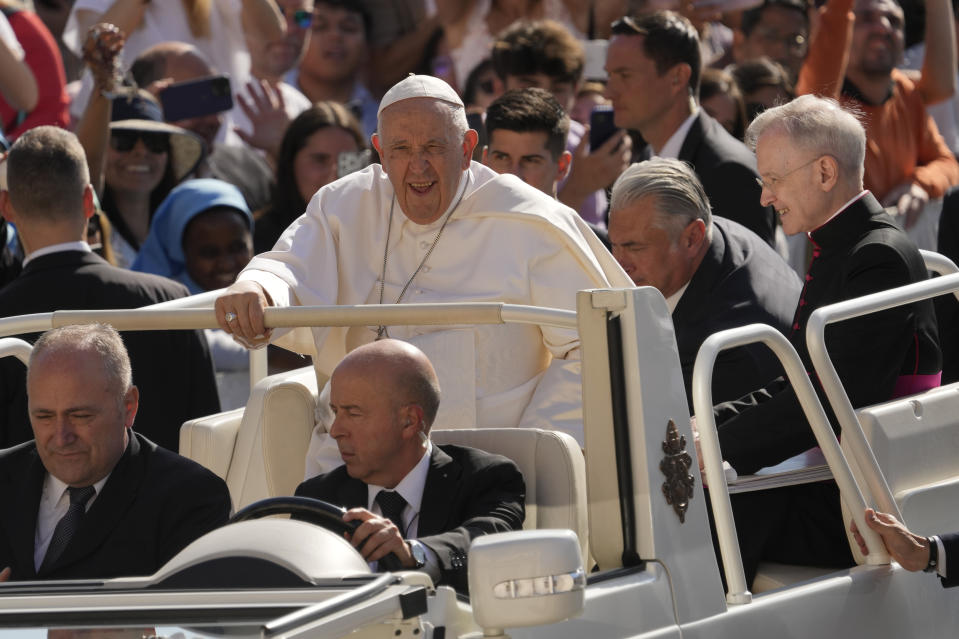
[[799, 525]]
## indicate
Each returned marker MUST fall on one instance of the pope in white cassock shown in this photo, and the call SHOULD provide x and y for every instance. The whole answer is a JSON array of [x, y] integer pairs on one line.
[[429, 226]]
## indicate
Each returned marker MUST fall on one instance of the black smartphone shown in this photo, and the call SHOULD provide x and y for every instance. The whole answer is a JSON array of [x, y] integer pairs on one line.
[[601, 126], [196, 98], [475, 122]]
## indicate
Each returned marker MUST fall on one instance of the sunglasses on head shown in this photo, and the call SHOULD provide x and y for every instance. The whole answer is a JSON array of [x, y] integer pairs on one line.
[[125, 139], [302, 19]]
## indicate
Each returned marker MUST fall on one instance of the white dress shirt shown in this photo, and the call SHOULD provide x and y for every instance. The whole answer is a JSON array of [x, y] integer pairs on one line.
[[411, 489], [675, 142]]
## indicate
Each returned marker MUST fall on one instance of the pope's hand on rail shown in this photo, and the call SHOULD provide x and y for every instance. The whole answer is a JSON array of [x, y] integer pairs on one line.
[[239, 311], [5, 574]]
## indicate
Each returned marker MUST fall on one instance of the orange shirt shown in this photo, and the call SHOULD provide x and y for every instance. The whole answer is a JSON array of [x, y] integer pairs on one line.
[[902, 141]]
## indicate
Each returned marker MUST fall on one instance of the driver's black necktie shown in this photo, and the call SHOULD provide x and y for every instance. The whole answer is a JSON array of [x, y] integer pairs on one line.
[[67, 525], [392, 505]]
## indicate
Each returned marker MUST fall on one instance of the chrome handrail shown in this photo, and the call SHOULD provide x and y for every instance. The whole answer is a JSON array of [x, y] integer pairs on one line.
[[738, 592]]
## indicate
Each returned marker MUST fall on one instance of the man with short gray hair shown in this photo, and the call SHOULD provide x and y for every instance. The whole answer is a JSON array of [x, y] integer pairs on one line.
[[89, 497], [429, 225], [714, 273], [810, 156]]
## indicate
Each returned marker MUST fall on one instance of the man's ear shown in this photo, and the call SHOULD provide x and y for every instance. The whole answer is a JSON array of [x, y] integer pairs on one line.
[[6, 209], [375, 141], [485, 153], [563, 165], [411, 417], [679, 76], [89, 206], [469, 143], [827, 171], [692, 236], [131, 402]]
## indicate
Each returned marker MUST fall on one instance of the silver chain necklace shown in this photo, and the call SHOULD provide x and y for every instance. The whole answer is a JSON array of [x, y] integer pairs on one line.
[[381, 331]]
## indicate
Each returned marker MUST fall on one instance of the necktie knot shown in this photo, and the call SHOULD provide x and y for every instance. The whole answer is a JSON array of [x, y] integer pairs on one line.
[[80, 496], [392, 505]]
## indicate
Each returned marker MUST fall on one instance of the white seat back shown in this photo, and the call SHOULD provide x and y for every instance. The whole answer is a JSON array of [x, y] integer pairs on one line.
[[260, 452], [552, 465], [916, 443]]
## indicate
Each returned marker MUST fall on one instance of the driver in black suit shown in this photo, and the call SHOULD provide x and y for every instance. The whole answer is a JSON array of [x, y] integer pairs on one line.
[[422, 502]]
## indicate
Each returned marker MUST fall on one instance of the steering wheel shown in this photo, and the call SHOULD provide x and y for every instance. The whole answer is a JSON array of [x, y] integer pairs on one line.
[[314, 511]]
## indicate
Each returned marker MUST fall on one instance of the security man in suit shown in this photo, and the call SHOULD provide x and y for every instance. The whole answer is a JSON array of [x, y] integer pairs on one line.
[[714, 273], [88, 497], [654, 65], [422, 502]]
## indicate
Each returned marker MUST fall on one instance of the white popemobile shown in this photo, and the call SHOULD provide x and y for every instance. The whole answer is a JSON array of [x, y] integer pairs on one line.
[[617, 542]]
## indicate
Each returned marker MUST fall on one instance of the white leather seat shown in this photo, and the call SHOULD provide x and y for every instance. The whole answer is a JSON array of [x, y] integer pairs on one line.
[[552, 465], [260, 452]]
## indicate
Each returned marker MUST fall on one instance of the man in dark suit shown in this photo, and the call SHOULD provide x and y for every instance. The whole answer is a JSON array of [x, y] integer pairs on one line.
[[714, 273], [913, 552], [421, 502], [50, 199], [88, 497], [810, 156], [654, 66]]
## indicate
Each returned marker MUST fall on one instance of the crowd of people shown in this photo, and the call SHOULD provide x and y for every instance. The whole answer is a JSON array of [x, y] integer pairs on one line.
[[752, 165]]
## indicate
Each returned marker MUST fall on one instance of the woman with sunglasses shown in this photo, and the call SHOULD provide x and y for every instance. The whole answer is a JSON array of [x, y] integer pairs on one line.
[[144, 160], [134, 157]]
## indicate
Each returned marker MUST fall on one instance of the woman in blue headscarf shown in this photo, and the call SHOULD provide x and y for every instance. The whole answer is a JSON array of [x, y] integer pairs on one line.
[[202, 236]]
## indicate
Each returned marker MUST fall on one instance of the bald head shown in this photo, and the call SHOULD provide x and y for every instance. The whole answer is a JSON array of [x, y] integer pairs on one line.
[[405, 371], [180, 61], [384, 398]]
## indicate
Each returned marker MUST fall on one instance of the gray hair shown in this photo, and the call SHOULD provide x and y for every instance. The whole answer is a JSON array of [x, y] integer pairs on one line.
[[819, 125], [101, 339], [47, 174], [679, 193]]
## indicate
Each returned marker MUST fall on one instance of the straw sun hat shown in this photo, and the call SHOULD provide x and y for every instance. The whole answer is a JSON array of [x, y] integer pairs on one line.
[[142, 112]]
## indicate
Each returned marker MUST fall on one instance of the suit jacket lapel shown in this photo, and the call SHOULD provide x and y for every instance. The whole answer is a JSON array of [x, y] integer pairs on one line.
[[110, 506], [694, 137], [352, 493], [702, 281], [442, 485], [22, 529]]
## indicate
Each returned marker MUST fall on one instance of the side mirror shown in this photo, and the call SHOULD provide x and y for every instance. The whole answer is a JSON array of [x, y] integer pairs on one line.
[[525, 578]]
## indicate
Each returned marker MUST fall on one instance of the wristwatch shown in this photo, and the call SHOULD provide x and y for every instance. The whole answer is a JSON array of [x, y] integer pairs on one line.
[[418, 552], [933, 564]]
